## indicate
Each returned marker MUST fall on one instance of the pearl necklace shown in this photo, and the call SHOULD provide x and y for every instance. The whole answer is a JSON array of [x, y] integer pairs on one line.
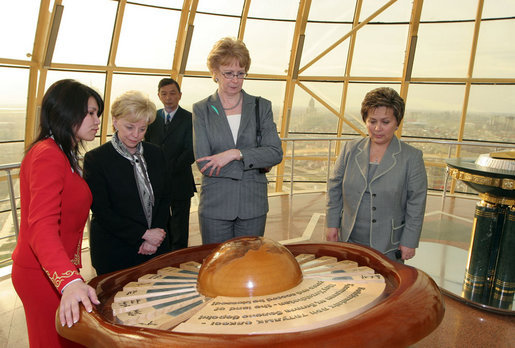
[[237, 103]]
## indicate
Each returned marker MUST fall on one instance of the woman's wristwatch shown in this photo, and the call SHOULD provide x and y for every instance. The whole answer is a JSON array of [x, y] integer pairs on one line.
[[241, 155]]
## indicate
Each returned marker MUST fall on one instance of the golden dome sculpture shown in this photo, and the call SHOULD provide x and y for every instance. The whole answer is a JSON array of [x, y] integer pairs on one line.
[[248, 266]]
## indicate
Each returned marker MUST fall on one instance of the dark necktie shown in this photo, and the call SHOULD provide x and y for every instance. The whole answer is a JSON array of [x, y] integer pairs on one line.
[[168, 118]]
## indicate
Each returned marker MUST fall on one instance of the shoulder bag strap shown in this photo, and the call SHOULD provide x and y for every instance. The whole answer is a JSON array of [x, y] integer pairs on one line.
[[258, 123]]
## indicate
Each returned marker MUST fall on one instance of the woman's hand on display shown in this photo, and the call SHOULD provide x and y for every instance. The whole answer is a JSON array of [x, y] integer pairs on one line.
[[407, 253], [147, 249], [332, 234], [154, 236], [218, 161], [73, 293]]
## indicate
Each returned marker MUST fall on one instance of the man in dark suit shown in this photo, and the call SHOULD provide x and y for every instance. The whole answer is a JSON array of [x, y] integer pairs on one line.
[[173, 132]]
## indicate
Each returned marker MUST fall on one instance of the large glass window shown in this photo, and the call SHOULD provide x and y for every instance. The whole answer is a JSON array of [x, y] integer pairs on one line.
[[284, 9], [490, 114], [208, 30], [269, 43], [175, 4], [148, 37], [79, 40], [384, 57], [309, 116], [433, 111], [227, 7], [443, 10], [399, 11], [18, 20], [443, 50], [330, 10], [319, 36], [13, 112], [271, 90], [491, 57]]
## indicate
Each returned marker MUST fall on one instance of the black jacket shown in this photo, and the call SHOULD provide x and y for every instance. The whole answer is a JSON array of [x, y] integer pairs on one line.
[[176, 141], [118, 221]]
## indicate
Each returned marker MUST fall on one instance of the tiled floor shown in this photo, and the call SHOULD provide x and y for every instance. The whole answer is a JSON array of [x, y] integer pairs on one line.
[[301, 218]]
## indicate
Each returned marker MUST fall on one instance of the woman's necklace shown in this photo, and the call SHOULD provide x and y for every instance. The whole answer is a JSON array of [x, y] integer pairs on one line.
[[237, 103]]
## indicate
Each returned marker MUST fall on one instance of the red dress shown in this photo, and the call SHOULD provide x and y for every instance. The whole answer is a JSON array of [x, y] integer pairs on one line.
[[55, 204]]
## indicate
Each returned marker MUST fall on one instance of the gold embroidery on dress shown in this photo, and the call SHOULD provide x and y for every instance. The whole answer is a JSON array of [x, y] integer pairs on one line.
[[57, 280], [76, 257]]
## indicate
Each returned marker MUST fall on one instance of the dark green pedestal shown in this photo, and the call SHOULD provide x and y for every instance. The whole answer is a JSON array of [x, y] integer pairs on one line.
[[484, 245], [503, 287]]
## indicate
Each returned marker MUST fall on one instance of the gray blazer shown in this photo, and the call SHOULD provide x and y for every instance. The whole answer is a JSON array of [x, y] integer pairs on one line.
[[240, 190], [397, 192]]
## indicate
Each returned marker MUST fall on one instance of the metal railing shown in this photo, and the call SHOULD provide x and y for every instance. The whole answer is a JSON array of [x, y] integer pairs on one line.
[[330, 157], [8, 168]]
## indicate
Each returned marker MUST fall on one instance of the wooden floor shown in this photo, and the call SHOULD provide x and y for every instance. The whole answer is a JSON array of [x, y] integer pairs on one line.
[[301, 218]]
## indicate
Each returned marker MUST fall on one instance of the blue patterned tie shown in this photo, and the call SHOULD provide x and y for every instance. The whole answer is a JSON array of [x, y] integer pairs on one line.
[[168, 118]]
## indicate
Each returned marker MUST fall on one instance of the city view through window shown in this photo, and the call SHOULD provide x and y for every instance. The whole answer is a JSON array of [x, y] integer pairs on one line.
[[315, 61]]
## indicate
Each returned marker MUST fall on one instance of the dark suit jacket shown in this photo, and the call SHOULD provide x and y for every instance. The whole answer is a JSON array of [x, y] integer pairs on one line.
[[175, 139], [118, 221]]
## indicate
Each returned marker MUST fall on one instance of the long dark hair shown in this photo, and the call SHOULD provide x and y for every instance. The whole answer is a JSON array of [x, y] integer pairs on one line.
[[64, 106]]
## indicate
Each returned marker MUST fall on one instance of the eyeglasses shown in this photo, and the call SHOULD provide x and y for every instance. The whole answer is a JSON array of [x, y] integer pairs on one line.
[[230, 75]]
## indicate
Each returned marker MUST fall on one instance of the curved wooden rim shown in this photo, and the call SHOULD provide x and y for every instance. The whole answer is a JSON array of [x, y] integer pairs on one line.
[[412, 308]]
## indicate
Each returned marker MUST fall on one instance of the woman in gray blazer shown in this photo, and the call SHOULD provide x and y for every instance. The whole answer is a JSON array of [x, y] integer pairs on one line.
[[233, 196], [377, 193]]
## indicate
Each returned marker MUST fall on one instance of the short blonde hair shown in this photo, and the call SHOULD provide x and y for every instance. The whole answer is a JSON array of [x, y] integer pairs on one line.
[[225, 50], [134, 107]]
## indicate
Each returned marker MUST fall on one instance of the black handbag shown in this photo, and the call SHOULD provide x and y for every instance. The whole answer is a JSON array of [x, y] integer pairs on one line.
[[258, 134]]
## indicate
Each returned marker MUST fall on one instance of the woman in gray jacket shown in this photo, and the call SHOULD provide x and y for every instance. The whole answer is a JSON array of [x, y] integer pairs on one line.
[[377, 193], [233, 196]]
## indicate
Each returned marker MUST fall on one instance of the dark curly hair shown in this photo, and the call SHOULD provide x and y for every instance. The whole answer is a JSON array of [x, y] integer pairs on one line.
[[383, 96]]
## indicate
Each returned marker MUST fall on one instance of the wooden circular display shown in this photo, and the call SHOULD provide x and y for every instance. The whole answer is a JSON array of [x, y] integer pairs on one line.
[[248, 266], [411, 309]]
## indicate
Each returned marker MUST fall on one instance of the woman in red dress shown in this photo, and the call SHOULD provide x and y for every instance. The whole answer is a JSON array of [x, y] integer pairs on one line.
[[55, 203]]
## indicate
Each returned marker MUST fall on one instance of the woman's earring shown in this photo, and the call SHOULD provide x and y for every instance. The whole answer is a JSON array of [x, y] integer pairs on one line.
[[216, 79]]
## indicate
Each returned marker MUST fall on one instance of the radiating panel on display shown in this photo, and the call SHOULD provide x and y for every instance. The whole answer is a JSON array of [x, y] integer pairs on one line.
[[18, 20], [433, 111], [85, 32], [333, 11], [269, 43], [273, 9], [208, 30], [399, 11], [380, 57], [444, 10], [13, 100], [490, 114], [309, 116], [148, 37], [319, 36], [226, 7], [495, 57], [443, 50]]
